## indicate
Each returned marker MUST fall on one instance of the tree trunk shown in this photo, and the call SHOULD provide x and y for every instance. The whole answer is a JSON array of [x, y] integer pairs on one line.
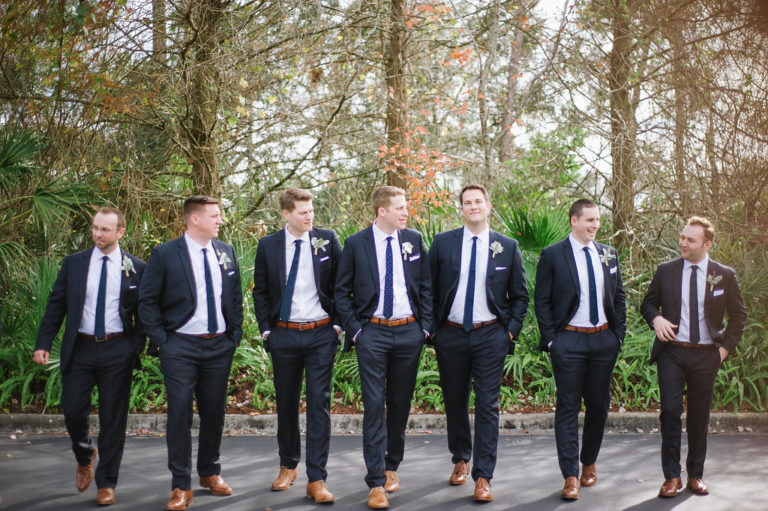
[[492, 20], [510, 111], [396, 87], [158, 31]]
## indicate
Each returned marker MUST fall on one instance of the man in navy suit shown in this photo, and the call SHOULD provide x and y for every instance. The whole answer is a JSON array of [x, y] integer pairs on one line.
[[98, 292], [191, 306], [685, 305], [384, 297], [293, 278], [480, 303], [580, 308]]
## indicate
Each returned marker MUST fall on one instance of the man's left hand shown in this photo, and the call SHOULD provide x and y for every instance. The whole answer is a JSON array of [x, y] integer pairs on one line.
[[723, 353]]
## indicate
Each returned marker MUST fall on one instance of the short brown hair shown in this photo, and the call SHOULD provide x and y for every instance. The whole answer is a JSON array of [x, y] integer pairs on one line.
[[473, 186], [579, 206], [291, 195], [108, 210], [196, 202], [709, 231], [383, 195]]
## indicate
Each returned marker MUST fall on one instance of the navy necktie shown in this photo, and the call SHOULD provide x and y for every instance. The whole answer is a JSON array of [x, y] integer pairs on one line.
[[469, 301], [594, 317], [213, 324], [290, 285], [99, 328], [389, 292], [693, 306]]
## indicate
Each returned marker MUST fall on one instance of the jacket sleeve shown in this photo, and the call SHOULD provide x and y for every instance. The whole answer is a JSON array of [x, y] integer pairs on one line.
[[517, 294], [150, 292], [650, 307], [542, 300], [236, 329], [434, 267], [619, 305], [335, 256], [737, 315], [55, 311], [425, 290], [261, 289], [344, 288]]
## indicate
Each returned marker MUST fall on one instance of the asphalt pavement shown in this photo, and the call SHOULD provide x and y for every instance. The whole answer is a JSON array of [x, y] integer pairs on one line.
[[37, 473]]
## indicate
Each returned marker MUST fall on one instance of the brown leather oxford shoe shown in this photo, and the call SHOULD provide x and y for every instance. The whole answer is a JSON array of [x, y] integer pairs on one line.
[[284, 479], [317, 491], [697, 486], [482, 490], [393, 483], [570, 489], [84, 474], [377, 498], [180, 500], [670, 488], [216, 484], [460, 473], [588, 475], [105, 496]]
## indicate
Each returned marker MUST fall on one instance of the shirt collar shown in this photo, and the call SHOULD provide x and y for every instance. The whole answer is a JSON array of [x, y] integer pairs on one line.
[[484, 235], [381, 236], [702, 265], [114, 256], [578, 246], [290, 238], [195, 246]]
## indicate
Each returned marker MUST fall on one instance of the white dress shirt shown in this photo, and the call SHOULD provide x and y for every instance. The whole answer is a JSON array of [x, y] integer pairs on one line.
[[480, 310], [305, 305], [112, 321], [401, 305], [198, 323], [581, 318], [684, 328]]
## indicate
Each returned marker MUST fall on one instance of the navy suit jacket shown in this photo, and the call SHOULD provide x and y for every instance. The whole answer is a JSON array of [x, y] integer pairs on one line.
[[505, 284], [168, 295], [68, 298], [664, 298], [357, 281], [269, 275], [557, 293]]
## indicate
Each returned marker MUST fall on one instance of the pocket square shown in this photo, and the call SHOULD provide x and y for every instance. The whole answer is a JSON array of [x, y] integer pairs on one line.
[[415, 258], [612, 270], [499, 268], [718, 292], [230, 273], [324, 258], [131, 287]]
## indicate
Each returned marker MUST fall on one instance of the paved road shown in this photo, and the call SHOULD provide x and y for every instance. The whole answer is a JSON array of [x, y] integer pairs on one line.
[[37, 473]]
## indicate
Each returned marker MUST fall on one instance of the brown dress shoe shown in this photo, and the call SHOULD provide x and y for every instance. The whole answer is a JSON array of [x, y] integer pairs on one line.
[[216, 484], [460, 473], [318, 492], [392, 484], [570, 488], [588, 475], [697, 486], [670, 487], [84, 474], [482, 490], [105, 496], [180, 500], [377, 498], [284, 479]]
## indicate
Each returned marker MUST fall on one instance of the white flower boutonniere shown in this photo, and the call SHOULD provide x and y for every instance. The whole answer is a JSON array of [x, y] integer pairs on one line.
[[319, 244], [407, 250], [606, 257], [713, 280], [496, 248], [128, 265], [223, 259]]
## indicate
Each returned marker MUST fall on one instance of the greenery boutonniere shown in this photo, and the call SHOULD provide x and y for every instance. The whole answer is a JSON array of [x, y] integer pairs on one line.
[[407, 250], [128, 265], [319, 244], [606, 257], [223, 259], [713, 280], [496, 248]]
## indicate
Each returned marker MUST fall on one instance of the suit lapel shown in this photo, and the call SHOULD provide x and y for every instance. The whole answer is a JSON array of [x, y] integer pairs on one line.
[[570, 262], [457, 246], [677, 286], [491, 266], [186, 264], [279, 254], [224, 280], [601, 250], [315, 258], [82, 276], [370, 251], [707, 291], [399, 253]]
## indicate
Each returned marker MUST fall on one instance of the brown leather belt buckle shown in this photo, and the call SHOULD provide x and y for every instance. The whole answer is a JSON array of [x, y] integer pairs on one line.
[[393, 322], [93, 338], [303, 326], [586, 329]]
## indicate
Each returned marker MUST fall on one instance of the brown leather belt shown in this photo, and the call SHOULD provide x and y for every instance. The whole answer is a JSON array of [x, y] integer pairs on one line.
[[474, 325], [689, 344], [93, 338], [393, 322], [586, 329], [205, 336], [303, 326]]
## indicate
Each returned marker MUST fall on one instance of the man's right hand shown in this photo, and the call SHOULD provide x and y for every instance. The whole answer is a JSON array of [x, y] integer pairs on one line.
[[664, 329], [40, 357]]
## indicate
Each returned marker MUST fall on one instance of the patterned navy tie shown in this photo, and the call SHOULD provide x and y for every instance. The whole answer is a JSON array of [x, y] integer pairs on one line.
[[389, 292], [99, 328], [693, 306], [469, 302], [213, 324], [594, 317]]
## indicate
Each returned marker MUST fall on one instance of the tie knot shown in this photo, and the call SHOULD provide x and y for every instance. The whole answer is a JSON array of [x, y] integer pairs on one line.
[[205, 252], [586, 249], [298, 243], [105, 258], [389, 238], [694, 268], [474, 238]]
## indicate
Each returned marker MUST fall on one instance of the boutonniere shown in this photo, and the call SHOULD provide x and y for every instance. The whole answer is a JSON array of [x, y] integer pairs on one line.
[[713, 280], [496, 248], [407, 249], [223, 259], [128, 265], [319, 244], [606, 257]]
